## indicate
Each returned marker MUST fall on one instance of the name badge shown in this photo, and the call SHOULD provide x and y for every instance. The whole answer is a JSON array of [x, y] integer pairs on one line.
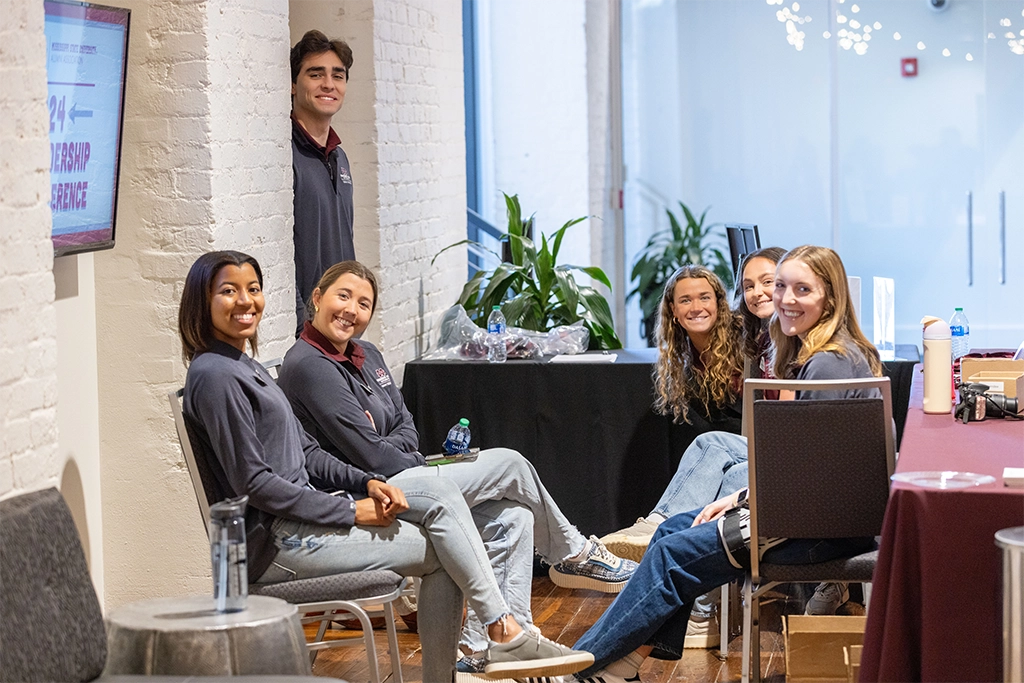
[[383, 378]]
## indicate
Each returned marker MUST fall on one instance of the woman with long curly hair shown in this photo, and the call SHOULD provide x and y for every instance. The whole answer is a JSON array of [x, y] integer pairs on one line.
[[699, 370], [700, 364]]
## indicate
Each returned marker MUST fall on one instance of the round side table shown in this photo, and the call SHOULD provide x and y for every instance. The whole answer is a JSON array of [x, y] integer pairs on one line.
[[186, 636]]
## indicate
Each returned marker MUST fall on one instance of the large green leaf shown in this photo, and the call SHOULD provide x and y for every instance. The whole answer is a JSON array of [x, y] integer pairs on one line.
[[501, 279], [594, 272], [568, 292], [561, 233]]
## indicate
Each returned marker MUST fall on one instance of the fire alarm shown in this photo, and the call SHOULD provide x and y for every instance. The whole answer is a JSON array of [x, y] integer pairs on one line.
[[908, 66]]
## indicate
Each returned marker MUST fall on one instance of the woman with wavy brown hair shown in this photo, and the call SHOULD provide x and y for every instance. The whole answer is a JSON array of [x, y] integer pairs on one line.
[[700, 363]]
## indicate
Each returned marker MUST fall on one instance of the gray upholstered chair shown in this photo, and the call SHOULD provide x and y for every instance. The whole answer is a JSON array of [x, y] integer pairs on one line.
[[818, 469], [51, 625], [323, 599]]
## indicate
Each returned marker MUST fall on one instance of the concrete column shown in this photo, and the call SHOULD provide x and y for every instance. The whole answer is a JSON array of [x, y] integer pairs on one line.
[[28, 346], [205, 166]]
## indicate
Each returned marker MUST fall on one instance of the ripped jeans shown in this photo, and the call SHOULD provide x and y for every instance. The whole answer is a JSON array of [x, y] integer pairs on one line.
[[435, 539]]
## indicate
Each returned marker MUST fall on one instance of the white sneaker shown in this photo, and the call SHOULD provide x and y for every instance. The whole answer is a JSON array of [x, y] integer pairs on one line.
[[631, 542], [531, 654], [702, 632]]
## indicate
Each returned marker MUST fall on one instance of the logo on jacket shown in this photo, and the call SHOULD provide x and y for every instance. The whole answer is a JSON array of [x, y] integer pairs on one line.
[[383, 379], [343, 174]]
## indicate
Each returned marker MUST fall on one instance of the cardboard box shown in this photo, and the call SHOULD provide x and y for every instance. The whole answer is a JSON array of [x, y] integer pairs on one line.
[[814, 646], [1003, 375], [852, 655], [1008, 384]]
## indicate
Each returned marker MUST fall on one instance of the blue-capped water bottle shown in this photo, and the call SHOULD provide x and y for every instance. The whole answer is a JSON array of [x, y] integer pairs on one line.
[[458, 438], [496, 351], [960, 330]]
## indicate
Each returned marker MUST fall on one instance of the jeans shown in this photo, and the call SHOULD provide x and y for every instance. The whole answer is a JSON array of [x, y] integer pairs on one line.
[[712, 467], [514, 513], [435, 539], [682, 563]]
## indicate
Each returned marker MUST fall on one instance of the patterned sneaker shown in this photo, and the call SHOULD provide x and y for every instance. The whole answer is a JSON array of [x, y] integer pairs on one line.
[[600, 677], [827, 598], [702, 632], [531, 654], [601, 571], [631, 542]]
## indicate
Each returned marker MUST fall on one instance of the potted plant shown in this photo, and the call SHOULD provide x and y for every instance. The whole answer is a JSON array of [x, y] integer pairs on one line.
[[666, 252], [534, 291]]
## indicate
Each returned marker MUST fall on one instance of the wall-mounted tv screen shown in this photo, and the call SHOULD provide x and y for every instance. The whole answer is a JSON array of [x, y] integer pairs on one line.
[[86, 60]]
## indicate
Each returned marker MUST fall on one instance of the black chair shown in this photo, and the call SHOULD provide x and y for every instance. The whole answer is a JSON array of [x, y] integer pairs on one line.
[[818, 469], [323, 599]]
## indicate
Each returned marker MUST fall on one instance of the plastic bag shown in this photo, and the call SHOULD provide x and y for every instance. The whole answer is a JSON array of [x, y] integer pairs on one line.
[[460, 338]]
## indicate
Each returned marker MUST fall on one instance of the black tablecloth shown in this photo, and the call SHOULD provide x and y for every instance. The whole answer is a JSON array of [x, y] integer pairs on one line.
[[589, 429]]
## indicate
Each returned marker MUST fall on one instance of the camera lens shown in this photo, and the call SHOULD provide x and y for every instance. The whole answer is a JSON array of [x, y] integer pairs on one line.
[[1000, 406]]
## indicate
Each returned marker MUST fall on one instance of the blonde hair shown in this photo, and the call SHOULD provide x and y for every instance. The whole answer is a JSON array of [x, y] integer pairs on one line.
[[676, 378], [836, 330]]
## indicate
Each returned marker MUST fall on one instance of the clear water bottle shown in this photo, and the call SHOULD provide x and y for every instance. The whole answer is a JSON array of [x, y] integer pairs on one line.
[[496, 352], [227, 554], [960, 330], [458, 438]]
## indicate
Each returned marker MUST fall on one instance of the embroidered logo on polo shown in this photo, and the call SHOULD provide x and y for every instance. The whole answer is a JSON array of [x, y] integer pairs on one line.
[[383, 379]]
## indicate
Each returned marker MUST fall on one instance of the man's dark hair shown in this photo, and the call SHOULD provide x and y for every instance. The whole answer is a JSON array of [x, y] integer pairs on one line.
[[195, 325], [315, 43]]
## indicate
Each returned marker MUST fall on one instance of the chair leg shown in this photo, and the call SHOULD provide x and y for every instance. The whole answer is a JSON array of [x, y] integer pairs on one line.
[[747, 624], [755, 635], [370, 644], [866, 587], [396, 658], [723, 623]]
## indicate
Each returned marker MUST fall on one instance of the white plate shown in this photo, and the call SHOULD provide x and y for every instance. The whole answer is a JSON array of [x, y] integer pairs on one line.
[[944, 480]]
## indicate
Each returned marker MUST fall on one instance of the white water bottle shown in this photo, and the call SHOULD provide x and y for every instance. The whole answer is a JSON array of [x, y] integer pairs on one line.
[[938, 367], [496, 351]]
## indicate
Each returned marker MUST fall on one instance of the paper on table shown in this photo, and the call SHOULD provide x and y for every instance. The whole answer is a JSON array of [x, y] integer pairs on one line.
[[885, 330], [1013, 476], [604, 357]]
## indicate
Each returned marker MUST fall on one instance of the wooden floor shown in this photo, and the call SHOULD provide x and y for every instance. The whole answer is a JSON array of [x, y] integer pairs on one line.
[[564, 615]]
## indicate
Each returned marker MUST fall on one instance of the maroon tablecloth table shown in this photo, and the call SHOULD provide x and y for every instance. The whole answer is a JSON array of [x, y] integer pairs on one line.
[[936, 610]]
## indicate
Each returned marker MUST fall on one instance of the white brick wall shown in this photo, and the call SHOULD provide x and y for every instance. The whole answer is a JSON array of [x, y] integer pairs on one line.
[[206, 166], [28, 347], [422, 169]]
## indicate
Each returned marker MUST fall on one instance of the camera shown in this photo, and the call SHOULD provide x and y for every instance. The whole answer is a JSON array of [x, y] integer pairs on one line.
[[938, 5], [975, 405]]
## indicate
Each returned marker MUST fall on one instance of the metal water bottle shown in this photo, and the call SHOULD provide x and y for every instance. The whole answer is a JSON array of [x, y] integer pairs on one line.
[[938, 367], [227, 554]]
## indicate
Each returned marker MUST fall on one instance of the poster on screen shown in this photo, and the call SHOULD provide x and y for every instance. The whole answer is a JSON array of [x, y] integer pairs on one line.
[[86, 56]]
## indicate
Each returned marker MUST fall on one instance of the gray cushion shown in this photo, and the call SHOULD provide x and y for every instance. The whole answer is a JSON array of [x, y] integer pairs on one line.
[[856, 569], [351, 586], [51, 626]]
